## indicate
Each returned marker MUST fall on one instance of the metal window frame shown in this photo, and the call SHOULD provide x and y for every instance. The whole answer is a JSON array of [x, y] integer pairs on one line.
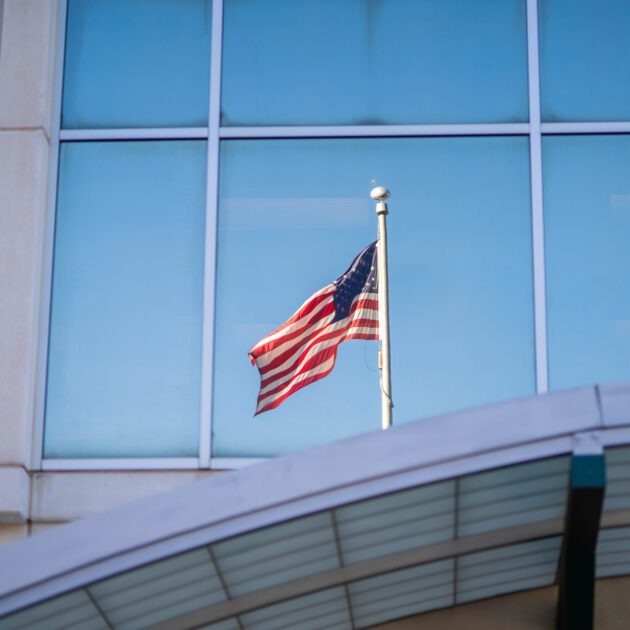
[[144, 133], [212, 200], [536, 192], [375, 131], [122, 463], [534, 129]]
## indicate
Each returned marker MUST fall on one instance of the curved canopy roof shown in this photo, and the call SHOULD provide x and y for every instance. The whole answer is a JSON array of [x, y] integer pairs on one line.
[[384, 525]]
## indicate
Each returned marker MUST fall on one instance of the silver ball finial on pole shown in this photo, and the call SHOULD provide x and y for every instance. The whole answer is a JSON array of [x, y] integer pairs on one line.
[[380, 193]]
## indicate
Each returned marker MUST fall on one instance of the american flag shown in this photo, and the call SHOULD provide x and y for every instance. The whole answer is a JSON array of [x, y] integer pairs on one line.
[[303, 350]]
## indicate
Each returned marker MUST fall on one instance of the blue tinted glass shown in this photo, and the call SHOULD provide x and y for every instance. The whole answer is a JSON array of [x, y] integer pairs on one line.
[[587, 223], [290, 62], [293, 213], [137, 63], [584, 59], [125, 337]]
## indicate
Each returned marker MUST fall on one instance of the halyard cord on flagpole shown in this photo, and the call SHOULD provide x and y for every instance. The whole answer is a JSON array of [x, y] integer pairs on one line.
[[380, 194]]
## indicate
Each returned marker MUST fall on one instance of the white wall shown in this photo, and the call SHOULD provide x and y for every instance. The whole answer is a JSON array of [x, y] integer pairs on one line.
[[26, 64], [30, 500]]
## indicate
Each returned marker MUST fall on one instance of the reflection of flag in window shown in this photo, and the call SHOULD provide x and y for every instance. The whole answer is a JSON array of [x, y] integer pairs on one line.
[[303, 350]]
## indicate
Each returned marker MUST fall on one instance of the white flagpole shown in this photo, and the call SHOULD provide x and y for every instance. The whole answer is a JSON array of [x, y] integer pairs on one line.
[[380, 194]]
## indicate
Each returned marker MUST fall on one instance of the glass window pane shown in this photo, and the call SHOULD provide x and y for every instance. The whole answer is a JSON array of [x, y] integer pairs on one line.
[[292, 215], [587, 224], [357, 62], [584, 59], [125, 337], [137, 63]]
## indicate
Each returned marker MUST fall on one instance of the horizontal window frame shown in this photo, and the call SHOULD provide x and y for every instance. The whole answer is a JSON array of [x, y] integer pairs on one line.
[[147, 463], [374, 131], [586, 127], [149, 133], [342, 131], [123, 463]]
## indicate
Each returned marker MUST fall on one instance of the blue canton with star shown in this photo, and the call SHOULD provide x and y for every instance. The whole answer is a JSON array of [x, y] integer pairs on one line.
[[361, 277]]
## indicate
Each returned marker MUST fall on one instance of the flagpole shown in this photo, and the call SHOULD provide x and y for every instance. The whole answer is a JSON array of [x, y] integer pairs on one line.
[[380, 194]]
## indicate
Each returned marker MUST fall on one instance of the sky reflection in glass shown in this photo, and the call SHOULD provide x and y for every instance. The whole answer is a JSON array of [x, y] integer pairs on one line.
[[584, 60], [587, 237], [137, 64], [125, 333], [291, 62], [293, 214]]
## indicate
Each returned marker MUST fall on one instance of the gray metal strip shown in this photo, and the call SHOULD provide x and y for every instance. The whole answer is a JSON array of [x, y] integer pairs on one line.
[[375, 131], [538, 228], [1, 17], [210, 246]]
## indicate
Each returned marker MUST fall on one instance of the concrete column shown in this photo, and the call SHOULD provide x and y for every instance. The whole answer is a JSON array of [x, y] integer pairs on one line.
[[27, 33]]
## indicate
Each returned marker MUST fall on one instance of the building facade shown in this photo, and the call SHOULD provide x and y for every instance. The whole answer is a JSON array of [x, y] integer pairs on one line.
[[178, 177]]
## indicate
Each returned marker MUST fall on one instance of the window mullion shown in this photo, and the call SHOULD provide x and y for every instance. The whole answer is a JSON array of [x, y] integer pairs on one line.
[[212, 188], [538, 236]]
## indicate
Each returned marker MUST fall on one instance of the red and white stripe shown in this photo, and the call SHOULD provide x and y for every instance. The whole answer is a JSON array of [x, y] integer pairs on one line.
[[303, 350]]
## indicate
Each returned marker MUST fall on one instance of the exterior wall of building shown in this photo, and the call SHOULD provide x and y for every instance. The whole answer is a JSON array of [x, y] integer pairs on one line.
[[26, 66], [31, 501]]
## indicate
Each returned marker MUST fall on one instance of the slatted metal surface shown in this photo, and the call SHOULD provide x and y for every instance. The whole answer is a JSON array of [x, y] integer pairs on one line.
[[396, 523], [402, 593], [613, 552], [75, 610], [617, 480], [324, 609], [514, 496], [507, 569], [227, 624], [353, 535], [613, 545], [153, 593], [277, 554]]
